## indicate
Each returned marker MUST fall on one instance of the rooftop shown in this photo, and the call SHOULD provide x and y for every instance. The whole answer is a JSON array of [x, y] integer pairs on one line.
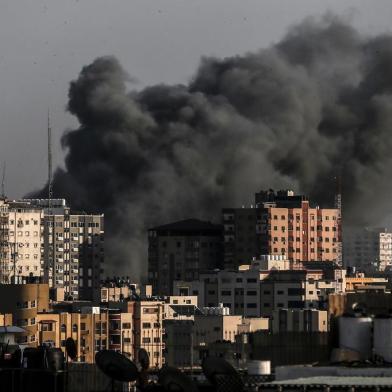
[[189, 226]]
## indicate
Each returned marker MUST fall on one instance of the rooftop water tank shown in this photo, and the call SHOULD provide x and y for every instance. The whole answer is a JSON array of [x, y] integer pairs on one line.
[[355, 333], [259, 368]]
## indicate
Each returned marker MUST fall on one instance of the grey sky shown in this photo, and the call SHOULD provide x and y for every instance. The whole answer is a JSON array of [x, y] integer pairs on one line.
[[44, 44]]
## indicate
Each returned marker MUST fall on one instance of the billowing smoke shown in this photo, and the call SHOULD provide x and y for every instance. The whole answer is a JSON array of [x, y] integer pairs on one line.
[[316, 105]]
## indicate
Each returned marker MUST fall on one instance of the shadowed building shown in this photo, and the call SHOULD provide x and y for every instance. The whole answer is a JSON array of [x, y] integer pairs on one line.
[[180, 250]]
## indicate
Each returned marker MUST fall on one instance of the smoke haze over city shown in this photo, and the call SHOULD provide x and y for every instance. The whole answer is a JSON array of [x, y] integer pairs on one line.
[[314, 106]]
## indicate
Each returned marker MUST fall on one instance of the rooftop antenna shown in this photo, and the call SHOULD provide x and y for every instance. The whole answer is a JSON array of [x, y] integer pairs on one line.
[[50, 266], [338, 206], [50, 184], [3, 182]]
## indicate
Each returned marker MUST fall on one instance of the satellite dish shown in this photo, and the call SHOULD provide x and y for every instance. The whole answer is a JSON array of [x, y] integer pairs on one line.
[[173, 380], [70, 348], [116, 366], [222, 375], [143, 358]]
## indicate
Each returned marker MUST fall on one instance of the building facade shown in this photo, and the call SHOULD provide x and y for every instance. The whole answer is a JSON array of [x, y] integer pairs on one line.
[[368, 248], [181, 250], [73, 249], [24, 302], [281, 223], [253, 292], [21, 241]]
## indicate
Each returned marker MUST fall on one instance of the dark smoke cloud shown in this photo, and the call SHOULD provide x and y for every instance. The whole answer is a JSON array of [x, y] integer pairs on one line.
[[294, 115]]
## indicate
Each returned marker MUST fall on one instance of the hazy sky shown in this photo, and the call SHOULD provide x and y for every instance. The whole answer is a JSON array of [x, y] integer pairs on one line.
[[44, 44]]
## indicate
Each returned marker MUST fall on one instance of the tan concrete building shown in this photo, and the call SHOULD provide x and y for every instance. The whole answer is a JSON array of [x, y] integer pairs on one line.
[[360, 281], [299, 320], [92, 331], [6, 319], [24, 302], [148, 329], [251, 292]]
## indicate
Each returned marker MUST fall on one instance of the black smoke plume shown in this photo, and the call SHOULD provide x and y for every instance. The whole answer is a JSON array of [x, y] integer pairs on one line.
[[295, 115]]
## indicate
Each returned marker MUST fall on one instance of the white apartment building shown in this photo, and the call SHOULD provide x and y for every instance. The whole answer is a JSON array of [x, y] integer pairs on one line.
[[21, 251]]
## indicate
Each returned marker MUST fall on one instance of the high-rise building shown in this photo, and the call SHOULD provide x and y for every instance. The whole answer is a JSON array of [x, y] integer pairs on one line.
[[180, 250], [368, 248], [20, 237], [281, 223], [73, 248]]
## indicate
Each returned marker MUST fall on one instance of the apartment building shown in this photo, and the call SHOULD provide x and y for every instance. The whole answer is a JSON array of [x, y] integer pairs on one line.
[[73, 248], [24, 302], [252, 292], [300, 320], [181, 250], [368, 248], [186, 339], [281, 223], [359, 281], [21, 256], [148, 329]]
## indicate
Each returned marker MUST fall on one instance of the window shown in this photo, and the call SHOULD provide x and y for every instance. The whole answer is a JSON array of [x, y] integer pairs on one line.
[[280, 305], [146, 340], [295, 291], [83, 326], [280, 292], [266, 305], [74, 328], [226, 292], [251, 292], [251, 280], [146, 325], [63, 328], [126, 325], [157, 340], [251, 305]]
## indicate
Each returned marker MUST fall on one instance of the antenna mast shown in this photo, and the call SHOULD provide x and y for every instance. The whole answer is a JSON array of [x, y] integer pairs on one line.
[[3, 182], [50, 185]]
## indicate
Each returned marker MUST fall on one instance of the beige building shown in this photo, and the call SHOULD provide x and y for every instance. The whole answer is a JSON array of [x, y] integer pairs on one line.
[[148, 328], [299, 320], [24, 302], [360, 281], [93, 329], [252, 292]]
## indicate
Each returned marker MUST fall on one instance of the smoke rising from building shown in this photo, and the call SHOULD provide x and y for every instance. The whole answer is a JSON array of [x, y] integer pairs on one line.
[[316, 104]]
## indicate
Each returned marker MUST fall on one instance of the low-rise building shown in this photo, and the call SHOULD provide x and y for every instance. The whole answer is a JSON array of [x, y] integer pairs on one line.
[[299, 320], [24, 302], [253, 292]]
